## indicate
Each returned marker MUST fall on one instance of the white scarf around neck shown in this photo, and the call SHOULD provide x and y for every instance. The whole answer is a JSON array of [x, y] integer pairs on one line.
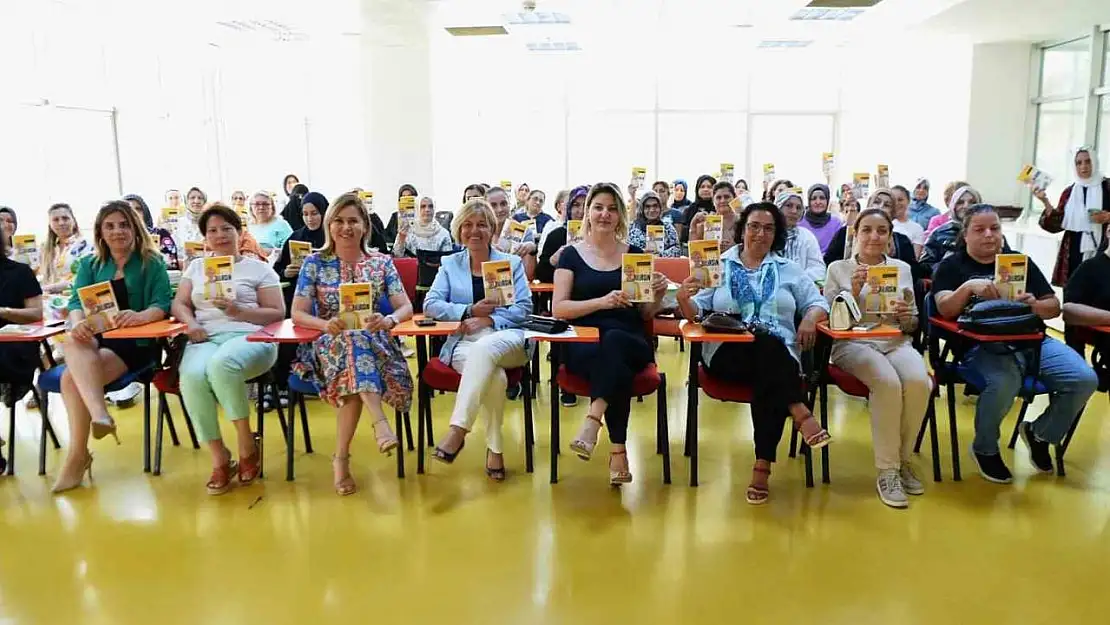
[[1077, 212]]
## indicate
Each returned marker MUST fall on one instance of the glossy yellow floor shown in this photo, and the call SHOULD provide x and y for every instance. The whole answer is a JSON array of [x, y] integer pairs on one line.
[[451, 547]]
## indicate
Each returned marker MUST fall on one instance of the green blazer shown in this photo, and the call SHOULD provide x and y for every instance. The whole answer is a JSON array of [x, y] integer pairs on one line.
[[148, 284]]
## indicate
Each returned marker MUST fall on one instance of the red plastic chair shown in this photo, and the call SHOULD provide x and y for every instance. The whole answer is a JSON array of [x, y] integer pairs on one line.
[[676, 270], [407, 268]]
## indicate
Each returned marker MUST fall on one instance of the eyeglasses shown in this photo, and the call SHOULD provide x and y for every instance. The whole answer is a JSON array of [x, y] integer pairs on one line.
[[755, 228], [260, 204]]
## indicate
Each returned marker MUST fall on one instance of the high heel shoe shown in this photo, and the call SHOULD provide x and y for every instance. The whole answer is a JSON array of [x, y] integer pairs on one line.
[[386, 442], [617, 478], [65, 483], [100, 429], [344, 485], [583, 448]]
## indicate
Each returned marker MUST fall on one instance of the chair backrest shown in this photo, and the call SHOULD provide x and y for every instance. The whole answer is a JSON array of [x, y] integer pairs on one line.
[[676, 269], [427, 266], [406, 267]]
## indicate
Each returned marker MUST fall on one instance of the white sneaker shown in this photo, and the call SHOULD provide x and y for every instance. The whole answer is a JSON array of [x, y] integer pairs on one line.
[[910, 482], [889, 485], [126, 394], [408, 352]]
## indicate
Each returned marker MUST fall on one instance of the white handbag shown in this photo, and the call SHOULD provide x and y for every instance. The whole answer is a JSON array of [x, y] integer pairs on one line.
[[845, 313]]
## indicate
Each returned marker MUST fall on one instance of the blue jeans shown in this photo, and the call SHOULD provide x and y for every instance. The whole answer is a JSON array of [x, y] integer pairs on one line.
[[1068, 378]]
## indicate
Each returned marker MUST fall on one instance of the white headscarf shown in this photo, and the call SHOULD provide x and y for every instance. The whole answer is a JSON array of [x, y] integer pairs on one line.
[[1077, 212]]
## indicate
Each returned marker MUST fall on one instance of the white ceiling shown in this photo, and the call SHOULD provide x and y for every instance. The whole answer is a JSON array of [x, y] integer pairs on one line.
[[1019, 20]]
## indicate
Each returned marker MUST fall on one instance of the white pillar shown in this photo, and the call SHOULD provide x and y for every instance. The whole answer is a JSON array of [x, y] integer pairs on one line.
[[397, 103]]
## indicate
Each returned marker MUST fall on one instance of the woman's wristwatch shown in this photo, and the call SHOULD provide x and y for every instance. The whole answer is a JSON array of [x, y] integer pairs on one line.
[[393, 318]]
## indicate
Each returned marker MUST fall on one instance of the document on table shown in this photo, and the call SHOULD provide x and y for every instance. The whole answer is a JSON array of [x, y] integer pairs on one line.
[[532, 334]]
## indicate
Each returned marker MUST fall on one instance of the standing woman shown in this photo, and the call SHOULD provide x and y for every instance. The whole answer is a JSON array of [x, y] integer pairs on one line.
[[167, 246], [125, 256], [64, 247], [353, 367], [588, 293], [722, 195], [649, 212], [891, 368], [1082, 214], [817, 219], [187, 229], [270, 230], [8, 225], [218, 360], [771, 292], [490, 340], [425, 234], [405, 190], [20, 302], [703, 203]]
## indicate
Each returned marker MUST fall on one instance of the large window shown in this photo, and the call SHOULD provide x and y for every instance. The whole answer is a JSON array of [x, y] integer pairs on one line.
[[1061, 110]]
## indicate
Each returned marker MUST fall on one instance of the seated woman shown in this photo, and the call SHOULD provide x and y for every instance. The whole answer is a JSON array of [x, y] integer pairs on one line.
[[588, 293], [703, 203], [967, 277], [892, 369], [649, 212], [525, 246], [165, 242], [901, 247], [218, 360], [817, 219], [490, 339], [1087, 298], [187, 229], [20, 302], [723, 194], [949, 216], [125, 257], [903, 221], [801, 245], [426, 234], [767, 289], [352, 366], [9, 222], [557, 239], [943, 240], [269, 229], [64, 247], [533, 211]]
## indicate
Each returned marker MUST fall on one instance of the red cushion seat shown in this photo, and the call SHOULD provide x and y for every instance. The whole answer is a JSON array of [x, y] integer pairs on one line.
[[442, 377], [722, 390], [645, 382], [166, 382], [848, 383]]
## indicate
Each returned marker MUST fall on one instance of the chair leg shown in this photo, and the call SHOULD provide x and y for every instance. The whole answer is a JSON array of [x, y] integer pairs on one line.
[[950, 391], [397, 428], [290, 434], [529, 426], [1021, 418], [825, 424], [408, 432], [163, 418], [42, 434], [664, 437], [260, 436], [188, 423], [164, 413], [11, 436], [931, 417], [681, 345], [46, 421], [793, 442], [428, 418], [146, 428], [304, 424], [1062, 448]]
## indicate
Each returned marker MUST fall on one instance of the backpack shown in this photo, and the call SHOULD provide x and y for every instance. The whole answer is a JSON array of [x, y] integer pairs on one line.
[[1000, 317]]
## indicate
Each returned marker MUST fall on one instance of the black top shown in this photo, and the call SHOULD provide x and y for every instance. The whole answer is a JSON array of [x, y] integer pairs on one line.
[[316, 238], [545, 271], [590, 283], [1088, 285], [17, 284], [903, 251], [378, 233], [959, 267], [479, 286]]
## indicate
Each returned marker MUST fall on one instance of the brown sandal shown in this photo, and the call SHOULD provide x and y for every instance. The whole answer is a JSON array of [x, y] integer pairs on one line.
[[585, 449], [249, 468], [818, 436], [220, 481], [616, 478], [758, 494]]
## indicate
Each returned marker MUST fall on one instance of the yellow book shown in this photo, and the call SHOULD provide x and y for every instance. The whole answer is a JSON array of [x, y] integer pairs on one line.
[[367, 198], [705, 262], [728, 172], [655, 239], [193, 250], [768, 172], [861, 182], [1010, 271], [636, 271], [243, 212], [882, 177], [517, 229], [406, 211], [882, 282], [714, 227], [828, 163], [574, 231], [498, 277], [26, 250], [298, 251], [217, 277], [1035, 178], [99, 303], [638, 176], [170, 215], [356, 304], [507, 185]]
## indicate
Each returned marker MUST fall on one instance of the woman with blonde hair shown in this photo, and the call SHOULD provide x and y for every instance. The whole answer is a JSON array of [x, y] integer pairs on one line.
[[64, 247], [125, 256], [354, 366], [588, 293]]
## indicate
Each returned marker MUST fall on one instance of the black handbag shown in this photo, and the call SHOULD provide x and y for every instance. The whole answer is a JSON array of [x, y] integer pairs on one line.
[[724, 322], [547, 325], [1000, 317]]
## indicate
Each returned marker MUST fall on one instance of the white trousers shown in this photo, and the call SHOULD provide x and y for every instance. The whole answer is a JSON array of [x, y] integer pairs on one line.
[[900, 388], [482, 358]]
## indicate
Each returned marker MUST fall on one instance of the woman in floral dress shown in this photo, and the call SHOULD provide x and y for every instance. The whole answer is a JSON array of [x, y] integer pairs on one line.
[[352, 366]]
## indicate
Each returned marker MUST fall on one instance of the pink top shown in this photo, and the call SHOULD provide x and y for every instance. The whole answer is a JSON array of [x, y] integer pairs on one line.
[[938, 221]]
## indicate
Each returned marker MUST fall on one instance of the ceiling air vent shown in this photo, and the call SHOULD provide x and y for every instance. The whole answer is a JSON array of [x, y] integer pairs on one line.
[[784, 43]]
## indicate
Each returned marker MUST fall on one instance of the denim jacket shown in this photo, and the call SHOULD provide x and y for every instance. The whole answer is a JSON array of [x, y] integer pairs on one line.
[[453, 290]]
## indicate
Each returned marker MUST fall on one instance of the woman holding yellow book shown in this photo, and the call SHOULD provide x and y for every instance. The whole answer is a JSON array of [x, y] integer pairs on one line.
[[187, 228], [20, 303], [891, 368], [588, 293], [64, 247], [649, 220], [490, 339], [354, 367], [163, 239], [218, 360], [770, 292], [723, 194], [424, 234], [127, 261]]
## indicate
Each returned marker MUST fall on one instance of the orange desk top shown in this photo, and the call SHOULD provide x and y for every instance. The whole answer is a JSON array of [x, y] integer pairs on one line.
[[694, 333], [879, 332], [409, 328], [284, 332], [40, 333], [542, 287], [157, 330]]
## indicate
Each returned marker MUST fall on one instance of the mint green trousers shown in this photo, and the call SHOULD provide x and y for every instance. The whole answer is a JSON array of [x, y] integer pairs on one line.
[[215, 373]]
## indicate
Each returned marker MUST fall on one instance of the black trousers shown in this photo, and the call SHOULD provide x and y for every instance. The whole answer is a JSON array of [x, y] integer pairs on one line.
[[610, 365], [767, 366]]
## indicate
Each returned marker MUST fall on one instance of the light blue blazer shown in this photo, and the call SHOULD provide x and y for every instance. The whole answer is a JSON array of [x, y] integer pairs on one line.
[[453, 290]]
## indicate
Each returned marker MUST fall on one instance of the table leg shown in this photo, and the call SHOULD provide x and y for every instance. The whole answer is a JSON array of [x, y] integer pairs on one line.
[[554, 414], [146, 427], [692, 412], [11, 433], [421, 401]]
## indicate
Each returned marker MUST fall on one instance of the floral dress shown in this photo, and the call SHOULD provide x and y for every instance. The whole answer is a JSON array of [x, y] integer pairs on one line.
[[356, 361]]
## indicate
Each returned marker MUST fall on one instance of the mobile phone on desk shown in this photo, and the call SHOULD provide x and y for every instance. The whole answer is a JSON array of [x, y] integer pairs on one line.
[[425, 323]]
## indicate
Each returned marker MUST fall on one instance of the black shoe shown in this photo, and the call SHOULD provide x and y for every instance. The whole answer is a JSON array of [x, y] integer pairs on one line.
[[568, 400], [1038, 449], [992, 468], [513, 392]]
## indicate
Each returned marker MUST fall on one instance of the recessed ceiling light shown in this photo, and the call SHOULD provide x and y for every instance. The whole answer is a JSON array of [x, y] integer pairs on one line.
[[811, 14], [553, 46], [535, 17], [784, 43]]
